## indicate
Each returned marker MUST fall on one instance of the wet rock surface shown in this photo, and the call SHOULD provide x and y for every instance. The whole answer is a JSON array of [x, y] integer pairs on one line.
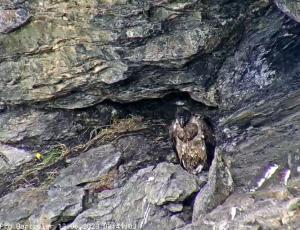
[[88, 90]]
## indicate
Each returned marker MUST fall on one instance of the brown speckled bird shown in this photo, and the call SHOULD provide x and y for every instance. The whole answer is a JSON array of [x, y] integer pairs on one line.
[[191, 137]]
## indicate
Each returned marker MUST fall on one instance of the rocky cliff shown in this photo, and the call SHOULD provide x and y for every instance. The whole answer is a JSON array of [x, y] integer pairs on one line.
[[89, 88]]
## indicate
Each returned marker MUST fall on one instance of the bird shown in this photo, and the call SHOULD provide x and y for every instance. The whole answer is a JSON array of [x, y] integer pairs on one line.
[[193, 140]]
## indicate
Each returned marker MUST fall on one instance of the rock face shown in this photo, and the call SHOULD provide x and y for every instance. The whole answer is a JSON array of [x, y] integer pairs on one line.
[[291, 8], [61, 205], [89, 167], [244, 211], [86, 52], [259, 91], [19, 205], [12, 157], [140, 202], [37, 128], [10, 20], [103, 78], [219, 187], [139, 151]]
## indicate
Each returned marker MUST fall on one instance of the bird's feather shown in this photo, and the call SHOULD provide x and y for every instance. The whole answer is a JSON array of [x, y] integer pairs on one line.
[[190, 143]]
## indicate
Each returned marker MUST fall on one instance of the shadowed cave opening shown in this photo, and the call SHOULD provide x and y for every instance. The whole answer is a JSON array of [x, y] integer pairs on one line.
[[162, 110], [157, 113]]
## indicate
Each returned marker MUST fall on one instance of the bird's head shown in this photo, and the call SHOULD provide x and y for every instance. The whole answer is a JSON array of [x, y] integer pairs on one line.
[[183, 115]]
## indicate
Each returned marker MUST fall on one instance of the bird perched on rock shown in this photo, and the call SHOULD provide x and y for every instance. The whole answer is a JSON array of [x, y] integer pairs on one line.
[[193, 140]]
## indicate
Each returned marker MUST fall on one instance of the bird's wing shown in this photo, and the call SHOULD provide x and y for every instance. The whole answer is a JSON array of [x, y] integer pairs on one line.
[[208, 132], [172, 133], [192, 130]]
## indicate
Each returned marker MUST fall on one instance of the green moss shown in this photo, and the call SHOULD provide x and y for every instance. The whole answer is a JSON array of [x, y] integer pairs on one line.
[[38, 170], [294, 204], [52, 156]]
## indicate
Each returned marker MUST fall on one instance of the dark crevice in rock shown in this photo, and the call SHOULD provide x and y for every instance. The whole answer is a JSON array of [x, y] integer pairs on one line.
[[188, 204], [82, 121], [85, 203]]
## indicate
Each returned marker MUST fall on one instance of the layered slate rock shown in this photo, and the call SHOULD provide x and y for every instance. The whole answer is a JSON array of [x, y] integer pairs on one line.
[[218, 188], [11, 157], [169, 183], [61, 206], [271, 207], [290, 8], [77, 54], [12, 19], [89, 166], [16, 207], [137, 203], [140, 151], [37, 128], [34, 126], [239, 57], [259, 97]]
